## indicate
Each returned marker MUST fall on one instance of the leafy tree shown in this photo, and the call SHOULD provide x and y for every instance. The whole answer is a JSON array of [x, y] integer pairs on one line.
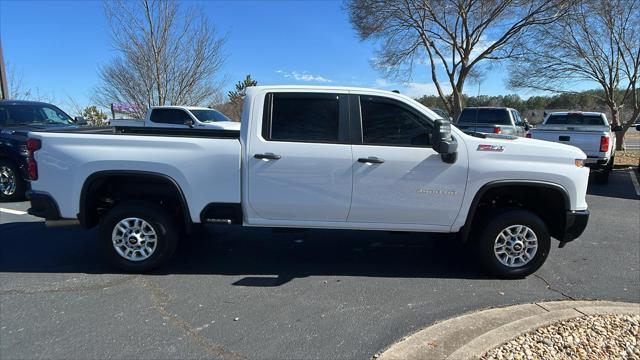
[[94, 116], [236, 97]]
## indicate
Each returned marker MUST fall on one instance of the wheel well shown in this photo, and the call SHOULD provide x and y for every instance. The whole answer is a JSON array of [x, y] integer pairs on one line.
[[550, 203], [102, 191]]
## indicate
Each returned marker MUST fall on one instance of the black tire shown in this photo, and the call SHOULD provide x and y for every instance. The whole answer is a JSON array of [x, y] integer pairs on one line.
[[499, 222], [9, 168], [167, 234], [602, 176]]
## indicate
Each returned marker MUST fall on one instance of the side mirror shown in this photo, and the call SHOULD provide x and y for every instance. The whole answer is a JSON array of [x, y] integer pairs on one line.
[[616, 128], [442, 142], [189, 123], [79, 120], [527, 126]]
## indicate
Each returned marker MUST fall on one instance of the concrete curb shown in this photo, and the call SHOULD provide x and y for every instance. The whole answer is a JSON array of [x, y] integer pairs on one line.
[[469, 336]]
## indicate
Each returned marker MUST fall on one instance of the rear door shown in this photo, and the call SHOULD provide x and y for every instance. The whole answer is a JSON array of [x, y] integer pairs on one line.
[[299, 163], [397, 177]]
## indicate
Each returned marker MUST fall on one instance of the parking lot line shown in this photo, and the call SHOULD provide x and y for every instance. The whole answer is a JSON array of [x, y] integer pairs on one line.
[[634, 180], [14, 212]]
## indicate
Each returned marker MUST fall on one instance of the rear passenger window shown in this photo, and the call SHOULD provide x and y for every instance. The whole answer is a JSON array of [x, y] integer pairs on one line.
[[169, 116], [304, 117], [385, 122]]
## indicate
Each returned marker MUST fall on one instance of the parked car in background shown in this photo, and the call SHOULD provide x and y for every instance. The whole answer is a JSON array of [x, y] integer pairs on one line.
[[492, 120], [588, 131], [17, 118], [315, 157], [180, 117]]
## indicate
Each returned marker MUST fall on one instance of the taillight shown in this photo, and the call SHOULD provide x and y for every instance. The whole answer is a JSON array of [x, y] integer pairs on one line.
[[32, 167], [528, 135], [604, 143], [497, 130]]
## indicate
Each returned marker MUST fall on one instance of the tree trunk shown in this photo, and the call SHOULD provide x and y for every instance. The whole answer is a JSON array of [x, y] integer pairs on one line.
[[615, 120], [456, 103]]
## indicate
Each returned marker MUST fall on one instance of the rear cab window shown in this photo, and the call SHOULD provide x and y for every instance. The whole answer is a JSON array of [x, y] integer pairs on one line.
[[485, 116], [575, 119], [305, 117]]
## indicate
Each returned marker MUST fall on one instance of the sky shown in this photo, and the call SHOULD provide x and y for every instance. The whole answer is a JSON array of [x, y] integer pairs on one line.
[[57, 47]]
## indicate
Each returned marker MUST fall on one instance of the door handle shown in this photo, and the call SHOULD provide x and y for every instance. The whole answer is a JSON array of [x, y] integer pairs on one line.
[[267, 156], [371, 160]]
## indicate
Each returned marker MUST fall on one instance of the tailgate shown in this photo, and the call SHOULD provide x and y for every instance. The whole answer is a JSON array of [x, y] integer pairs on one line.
[[589, 142]]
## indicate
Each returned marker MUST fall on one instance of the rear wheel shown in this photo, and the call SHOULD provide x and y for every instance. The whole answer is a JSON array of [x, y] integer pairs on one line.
[[514, 244], [138, 236], [602, 176], [11, 183]]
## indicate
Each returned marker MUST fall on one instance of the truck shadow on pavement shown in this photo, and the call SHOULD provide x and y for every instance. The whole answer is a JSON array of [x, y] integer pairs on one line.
[[620, 186], [266, 257]]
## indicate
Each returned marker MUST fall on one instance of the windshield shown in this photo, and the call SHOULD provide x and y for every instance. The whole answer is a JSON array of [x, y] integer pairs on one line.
[[32, 114], [575, 119], [484, 116], [209, 115]]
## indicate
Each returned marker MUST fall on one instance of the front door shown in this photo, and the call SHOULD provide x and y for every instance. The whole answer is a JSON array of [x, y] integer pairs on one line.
[[397, 177], [300, 163]]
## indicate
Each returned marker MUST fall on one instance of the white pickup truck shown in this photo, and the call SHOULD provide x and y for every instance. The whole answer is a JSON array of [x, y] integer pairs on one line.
[[588, 131], [180, 117], [314, 157]]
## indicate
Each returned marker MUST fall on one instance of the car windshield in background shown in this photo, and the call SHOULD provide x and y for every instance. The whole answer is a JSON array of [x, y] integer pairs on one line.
[[575, 119], [484, 116], [32, 114], [209, 115]]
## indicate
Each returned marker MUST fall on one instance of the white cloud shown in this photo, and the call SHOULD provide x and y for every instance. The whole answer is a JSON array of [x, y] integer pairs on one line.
[[412, 89], [304, 76]]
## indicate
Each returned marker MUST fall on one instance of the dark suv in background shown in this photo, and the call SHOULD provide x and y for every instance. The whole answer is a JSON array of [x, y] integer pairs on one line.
[[492, 120], [17, 118]]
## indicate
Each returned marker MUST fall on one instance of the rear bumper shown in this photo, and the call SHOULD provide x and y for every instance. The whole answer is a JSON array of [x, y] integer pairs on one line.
[[576, 222], [596, 163], [43, 205]]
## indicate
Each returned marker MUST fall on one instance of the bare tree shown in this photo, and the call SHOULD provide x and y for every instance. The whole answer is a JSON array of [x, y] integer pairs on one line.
[[598, 42], [167, 55], [448, 36], [19, 91]]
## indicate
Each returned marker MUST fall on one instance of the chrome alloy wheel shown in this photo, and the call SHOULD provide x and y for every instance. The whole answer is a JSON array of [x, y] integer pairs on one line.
[[134, 239], [8, 181], [516, 246]]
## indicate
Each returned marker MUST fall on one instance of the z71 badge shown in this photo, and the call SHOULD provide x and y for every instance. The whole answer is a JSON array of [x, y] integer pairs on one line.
[[498, 148]]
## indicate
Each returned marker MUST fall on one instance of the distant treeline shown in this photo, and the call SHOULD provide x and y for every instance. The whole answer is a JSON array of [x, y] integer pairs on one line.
[[590, 100]]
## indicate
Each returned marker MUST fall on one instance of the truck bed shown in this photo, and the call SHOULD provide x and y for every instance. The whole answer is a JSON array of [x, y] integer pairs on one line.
[[204, 163]]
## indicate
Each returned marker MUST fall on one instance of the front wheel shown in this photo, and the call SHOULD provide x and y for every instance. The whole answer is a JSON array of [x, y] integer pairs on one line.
[[514, 244], [138, 236]]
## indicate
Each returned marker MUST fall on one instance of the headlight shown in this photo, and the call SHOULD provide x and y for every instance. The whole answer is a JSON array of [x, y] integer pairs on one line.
[[580, 162]]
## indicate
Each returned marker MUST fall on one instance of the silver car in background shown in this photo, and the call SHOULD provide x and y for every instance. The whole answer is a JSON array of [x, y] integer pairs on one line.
[[492, 120]]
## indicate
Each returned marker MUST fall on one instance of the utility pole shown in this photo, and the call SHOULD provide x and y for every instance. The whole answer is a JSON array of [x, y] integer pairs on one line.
[[4, 89]]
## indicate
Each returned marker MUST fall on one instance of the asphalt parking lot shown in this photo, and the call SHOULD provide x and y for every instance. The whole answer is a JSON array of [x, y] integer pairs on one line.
[[252, 293]]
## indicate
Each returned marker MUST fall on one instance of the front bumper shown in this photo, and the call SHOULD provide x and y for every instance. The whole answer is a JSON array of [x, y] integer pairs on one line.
[[43, 205], [575, 223]]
